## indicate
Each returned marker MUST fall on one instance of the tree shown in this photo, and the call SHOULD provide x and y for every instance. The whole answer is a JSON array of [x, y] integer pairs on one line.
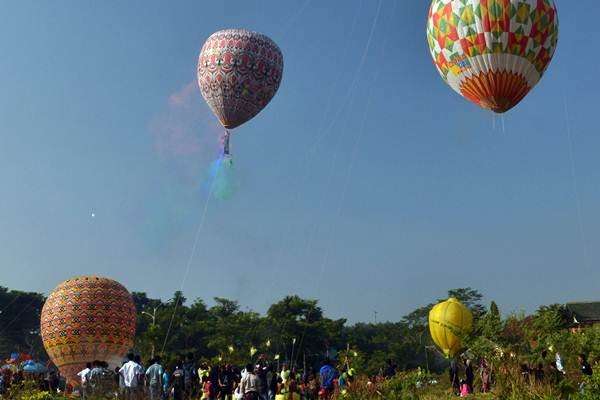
[[143, 303], [224, 307], [20, 321], [298, 327], [178, 298], [552, 318], [296, 308], [471, 298], [490, 325], [419, 318]]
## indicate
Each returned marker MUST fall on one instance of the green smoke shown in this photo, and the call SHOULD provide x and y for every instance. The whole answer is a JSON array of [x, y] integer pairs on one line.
[[222, 180]]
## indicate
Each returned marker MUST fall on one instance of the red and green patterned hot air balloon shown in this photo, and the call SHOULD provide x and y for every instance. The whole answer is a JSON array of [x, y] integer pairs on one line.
[[493, 52], [85, 319], [239, 72]]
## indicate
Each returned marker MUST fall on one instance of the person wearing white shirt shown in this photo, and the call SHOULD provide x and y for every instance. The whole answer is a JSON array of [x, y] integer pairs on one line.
[[249, 384], [130, 372], [83, 376]]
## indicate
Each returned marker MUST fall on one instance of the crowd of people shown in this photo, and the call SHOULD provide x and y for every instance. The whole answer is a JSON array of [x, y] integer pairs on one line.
[[186, 379], [51, 381], [543, 372], [262, 380], [464, 387]]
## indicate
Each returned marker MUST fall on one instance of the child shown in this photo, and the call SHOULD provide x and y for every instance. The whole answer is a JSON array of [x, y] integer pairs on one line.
[[207, 389], [464, 389]]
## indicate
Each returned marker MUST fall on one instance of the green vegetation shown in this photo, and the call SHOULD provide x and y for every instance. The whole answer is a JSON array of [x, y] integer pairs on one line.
[[296, 329], [298, 332], [20, 322], [29, 390]]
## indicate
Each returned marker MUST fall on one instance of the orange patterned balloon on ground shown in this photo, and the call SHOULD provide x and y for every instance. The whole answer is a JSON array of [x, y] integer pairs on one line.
[[85, 319]]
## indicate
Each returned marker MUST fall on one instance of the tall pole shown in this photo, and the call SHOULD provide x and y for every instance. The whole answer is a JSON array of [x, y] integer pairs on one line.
[[348, 356], [153, 316], [153, 327], [292, 356], [304, 362]]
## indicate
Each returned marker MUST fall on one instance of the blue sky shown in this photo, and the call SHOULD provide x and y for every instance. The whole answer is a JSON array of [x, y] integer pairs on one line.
[[367, 184]]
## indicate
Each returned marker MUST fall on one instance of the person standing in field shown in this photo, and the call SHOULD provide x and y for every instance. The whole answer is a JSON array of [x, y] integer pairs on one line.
[[130, 371], [586, 370], [486, 376], [469, 375], [249, 385], [154, 375], [327, 375], [83, 374], [454, 380]]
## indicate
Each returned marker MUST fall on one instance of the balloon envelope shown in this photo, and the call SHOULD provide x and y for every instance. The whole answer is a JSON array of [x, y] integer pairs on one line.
[[449, 320], [493, 52], [85, 319], [239, 72]]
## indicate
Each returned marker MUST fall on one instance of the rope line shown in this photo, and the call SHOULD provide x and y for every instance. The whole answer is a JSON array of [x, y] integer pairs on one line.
[[287, 26], [192, 254], [350, 166], [576, 191]]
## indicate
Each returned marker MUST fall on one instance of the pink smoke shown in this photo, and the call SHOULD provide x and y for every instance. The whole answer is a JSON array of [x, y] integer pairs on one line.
[[186, 129], [176, 140], [184, 96]]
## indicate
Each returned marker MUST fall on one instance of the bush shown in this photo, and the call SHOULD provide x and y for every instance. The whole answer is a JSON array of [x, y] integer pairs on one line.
[[590, 389], [404, 386], [29, 390]]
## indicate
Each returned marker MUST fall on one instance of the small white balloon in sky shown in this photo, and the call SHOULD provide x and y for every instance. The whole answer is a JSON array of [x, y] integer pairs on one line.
[[93, 215]]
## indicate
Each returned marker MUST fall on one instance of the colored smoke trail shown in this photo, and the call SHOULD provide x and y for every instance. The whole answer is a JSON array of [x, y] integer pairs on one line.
[[222, 181], [184, 134]]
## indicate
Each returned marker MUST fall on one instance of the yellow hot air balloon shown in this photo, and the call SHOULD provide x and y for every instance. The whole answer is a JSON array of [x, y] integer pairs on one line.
[[449, 320]]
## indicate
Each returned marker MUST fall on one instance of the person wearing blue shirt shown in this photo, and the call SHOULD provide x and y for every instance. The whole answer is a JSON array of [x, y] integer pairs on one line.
[[154, 375], [327, 375], [165, 384]]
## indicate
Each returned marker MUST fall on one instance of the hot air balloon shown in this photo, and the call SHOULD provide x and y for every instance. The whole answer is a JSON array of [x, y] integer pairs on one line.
[[239, 72], [448, 321], [85, 319], [493, 52]]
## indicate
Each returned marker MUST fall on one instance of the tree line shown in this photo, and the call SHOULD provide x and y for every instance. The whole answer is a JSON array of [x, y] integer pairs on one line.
[[296, 331]]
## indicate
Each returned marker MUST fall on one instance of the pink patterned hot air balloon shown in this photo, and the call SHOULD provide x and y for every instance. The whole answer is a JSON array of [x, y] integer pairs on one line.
[[239, 72]]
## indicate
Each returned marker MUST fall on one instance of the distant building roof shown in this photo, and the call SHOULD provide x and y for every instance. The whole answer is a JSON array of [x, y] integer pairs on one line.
[[584, 313]]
